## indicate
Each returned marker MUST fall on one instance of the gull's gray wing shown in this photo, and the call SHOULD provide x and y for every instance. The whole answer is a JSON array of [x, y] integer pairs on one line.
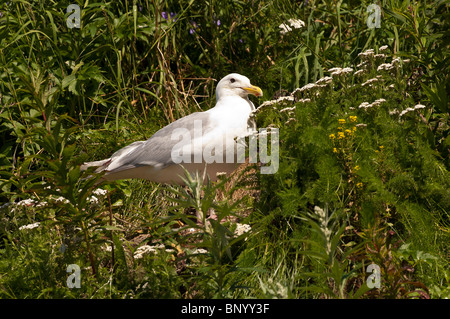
[[156, 151]]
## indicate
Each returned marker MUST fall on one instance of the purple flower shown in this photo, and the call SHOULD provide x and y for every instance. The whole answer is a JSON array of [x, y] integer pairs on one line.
[[217, 22], [195, 25], [169, 16]]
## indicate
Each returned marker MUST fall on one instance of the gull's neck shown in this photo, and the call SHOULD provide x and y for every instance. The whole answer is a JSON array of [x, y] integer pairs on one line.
[[231, 101]]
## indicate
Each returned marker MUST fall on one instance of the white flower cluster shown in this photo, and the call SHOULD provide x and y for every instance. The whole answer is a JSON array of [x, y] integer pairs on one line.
[[280, 100], [97, 193], [241, 229], [294, 23], [147, 249], [310, 88], [29, 202], [369, 82], [100, 192], [380, 56], [366, 105], [306, 87], [29, 226], [61, 199], [359, 72], [199, 251], [290, 120], [288, 109], [366, 55], [340, 71], [325, 80], [385, 66], [284, 100], [411, 109]]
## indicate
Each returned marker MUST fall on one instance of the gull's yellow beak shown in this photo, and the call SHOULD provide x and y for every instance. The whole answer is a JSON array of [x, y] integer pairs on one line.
[[254, 90]]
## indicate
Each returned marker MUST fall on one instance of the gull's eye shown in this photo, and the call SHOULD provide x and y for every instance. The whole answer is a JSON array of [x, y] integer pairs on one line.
[[232, 80]]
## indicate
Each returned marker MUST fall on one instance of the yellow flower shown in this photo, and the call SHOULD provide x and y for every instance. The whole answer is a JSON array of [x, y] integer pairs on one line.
[[341, 121], [335, 150], [354, 128], [353, 118], [348, 132], [332, 136], [340, 128], [341, 135], [381, 147], [357, 168], [359, 185]]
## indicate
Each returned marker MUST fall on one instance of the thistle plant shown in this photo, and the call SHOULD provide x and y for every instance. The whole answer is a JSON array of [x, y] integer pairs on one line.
[[335, 270], [219, 240]]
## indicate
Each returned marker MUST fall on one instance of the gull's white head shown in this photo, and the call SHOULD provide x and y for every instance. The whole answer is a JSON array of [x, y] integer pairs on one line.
[[236, 85]]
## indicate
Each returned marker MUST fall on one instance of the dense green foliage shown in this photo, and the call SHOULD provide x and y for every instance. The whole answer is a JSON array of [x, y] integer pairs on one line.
[[364, 148]]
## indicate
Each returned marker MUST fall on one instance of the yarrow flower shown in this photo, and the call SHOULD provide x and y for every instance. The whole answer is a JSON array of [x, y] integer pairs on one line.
[[366, 105], [408, 109], [307, 87], [100, 192], [26, 202], [290, 120], [294, 23], [287, 109], [370, 81], [310, 88], [339, 71], [281, 100], [366, 55], [29, 226], [378, 102], [241, 229], [146, 249], [326, 80], [385, 66], [379, 56]]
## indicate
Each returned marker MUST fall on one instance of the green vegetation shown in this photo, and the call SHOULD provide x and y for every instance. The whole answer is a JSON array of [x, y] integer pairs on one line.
[[364, 150]]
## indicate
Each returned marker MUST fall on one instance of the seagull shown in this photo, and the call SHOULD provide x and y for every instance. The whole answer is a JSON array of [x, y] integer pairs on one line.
[[200, 142]]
